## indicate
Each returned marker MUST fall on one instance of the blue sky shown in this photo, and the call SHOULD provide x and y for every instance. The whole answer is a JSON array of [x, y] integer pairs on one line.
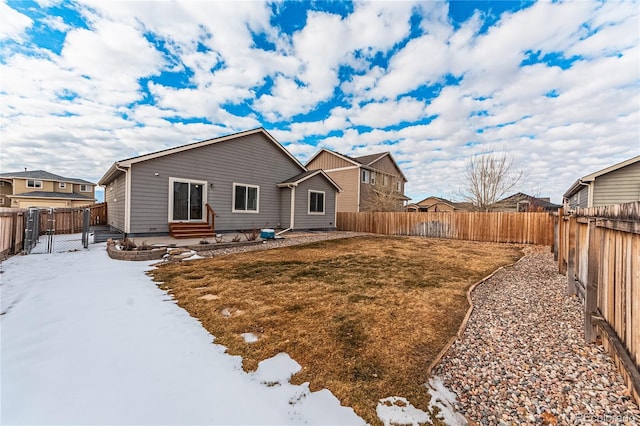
[[554, 84]]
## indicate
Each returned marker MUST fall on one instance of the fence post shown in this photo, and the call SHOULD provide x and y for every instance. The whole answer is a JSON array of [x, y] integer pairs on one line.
[[556, 234], [591, 291], [86, 226], [571, 261]]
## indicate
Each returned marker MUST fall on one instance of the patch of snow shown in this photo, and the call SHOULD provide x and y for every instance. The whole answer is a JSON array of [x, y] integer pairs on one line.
[[277, 369], [60, 243], [398, 411], [194, 256], [444, 399], [91, 340], [249, 337], [209, 297]]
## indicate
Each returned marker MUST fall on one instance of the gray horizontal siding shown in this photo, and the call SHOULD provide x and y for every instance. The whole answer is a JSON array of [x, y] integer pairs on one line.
[[618, 186], [252, 160], [115, 196], [304, 220], [285, 207]]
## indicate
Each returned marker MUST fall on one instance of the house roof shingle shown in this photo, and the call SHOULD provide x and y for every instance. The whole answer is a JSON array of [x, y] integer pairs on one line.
[[301, 177], [108, 176], [540, 202], [364, 160], [47, 194], [43, 175]]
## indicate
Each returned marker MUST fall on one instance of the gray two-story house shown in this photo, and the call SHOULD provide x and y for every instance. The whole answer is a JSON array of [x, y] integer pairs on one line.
[[616, 184], [246, 180]]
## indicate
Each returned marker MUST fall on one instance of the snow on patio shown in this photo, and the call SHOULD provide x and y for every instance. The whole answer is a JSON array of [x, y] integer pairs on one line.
[[90, 340]]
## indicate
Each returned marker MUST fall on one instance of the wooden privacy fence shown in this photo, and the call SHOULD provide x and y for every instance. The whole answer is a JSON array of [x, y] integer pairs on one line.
[[69, 221], [599, 251], [502, 227], [61, 221], [98, 214], [11, 231]]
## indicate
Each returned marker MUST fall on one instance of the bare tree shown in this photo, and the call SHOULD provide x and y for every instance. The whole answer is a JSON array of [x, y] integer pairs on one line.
[[383, 199], [488, 178]]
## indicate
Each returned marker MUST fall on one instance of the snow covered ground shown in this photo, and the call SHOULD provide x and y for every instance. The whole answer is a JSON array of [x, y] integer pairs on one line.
[[90, 340]]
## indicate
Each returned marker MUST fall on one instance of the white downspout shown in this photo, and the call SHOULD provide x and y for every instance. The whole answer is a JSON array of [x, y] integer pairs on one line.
[[293, 210]]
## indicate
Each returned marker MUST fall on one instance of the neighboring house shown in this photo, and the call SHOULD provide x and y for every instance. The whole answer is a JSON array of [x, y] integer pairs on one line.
[[38, 188], [364, 180], [248, 179], [616, 184], [437, 204], [521, 202]]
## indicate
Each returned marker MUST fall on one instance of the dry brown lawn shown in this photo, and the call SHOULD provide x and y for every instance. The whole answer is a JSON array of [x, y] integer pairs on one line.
[[363, 316]]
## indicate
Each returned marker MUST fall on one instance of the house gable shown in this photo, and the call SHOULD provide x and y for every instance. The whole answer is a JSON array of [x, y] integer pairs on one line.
[[329, 160], [383, 162]]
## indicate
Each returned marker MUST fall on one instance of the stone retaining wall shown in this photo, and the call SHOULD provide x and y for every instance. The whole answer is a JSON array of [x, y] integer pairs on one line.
[[155, 254]]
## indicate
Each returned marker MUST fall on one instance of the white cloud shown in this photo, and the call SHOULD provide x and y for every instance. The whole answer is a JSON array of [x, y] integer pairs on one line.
[[559, 123], [384, 114], [112, 53], [12, 23], [422, 61]]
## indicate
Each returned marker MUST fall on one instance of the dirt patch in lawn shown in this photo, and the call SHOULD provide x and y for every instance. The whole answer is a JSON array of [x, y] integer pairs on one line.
[[364, 316]]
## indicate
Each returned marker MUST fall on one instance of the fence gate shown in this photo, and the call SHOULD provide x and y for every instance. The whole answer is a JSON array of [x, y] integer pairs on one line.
[[56, 230]]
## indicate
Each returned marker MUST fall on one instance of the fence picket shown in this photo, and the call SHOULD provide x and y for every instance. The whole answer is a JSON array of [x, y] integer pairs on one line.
[[521, 228]]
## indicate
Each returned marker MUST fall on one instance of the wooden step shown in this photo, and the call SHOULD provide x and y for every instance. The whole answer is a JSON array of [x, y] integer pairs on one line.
[[190, 230]]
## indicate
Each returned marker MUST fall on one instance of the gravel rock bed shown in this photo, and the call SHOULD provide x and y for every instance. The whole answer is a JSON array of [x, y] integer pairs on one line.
[[522, 359], [290, 239]]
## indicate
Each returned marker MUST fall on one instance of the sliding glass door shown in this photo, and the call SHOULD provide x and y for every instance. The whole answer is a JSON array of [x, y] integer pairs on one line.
[[187, 200]]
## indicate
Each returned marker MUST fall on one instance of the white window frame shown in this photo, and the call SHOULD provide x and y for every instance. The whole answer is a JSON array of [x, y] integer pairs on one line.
[[398, 186], [324, 201], [385, 180], [373, 179], [365, 176], [62, 185], [35, 183], [87, 188], [233, 198], [204, 198]]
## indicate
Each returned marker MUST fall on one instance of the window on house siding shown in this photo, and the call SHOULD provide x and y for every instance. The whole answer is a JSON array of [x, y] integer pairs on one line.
[[373, 178], [245, 198], [34, 184], [385, 180], [316, 202], [85, 188], [365, 176], [62, 185], [399, 186]]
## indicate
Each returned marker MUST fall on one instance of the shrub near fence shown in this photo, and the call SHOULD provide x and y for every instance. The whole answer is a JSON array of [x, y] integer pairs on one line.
[[501, 227]]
